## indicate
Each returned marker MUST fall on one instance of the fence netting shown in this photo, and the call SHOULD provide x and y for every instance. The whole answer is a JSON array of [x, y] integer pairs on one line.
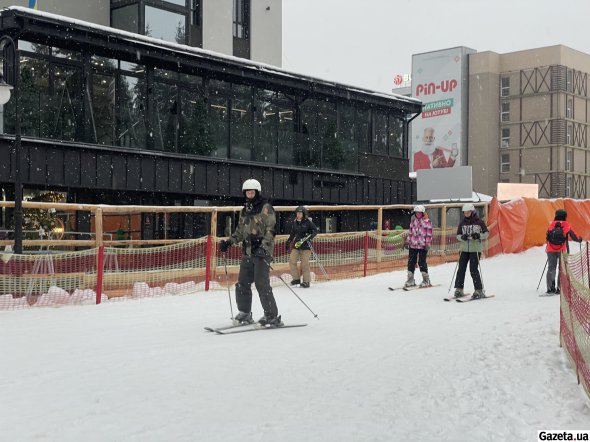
[[120, 273], [575, 312]]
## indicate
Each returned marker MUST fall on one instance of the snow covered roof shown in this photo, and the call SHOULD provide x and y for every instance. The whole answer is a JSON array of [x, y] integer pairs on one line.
[[190, 50]]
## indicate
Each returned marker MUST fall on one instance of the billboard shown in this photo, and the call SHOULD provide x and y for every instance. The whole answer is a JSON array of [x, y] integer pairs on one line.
[[439, 134], [444, 183]]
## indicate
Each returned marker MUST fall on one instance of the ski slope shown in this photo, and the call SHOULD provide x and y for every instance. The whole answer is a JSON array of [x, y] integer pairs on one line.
[[376, 366]]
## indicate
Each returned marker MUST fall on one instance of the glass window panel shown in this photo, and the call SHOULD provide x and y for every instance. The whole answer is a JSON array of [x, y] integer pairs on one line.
[[37, 48], [265, 127], [66, 104], [103, 109], [308, 148], [241, 123], [103, 62], [362, 127], [131, 128], [396, 132], [163, 73], [66, 53], [332, 154], [196, 134], [165, 122], [287, 134], [131, 67], [177, 2], [126, 18], [33, 101], [347, 137], [165, 25], [218, 117], [379, 132]]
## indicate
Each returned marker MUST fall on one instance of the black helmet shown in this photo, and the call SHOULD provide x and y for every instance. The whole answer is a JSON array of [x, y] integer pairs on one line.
[[560, 215], [302, 210]]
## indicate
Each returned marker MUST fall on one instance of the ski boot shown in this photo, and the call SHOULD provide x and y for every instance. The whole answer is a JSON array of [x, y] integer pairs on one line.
[[458, 293], [270, 322], [410, 281], [295, 282], [425, 280], [478, 293], [243, 318], [304, 285], [557, 290]]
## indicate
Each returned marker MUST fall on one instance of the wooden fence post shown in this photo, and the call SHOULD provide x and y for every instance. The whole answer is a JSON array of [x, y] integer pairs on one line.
[[99, 273], [443, 225], [98, 230], [208, 262]]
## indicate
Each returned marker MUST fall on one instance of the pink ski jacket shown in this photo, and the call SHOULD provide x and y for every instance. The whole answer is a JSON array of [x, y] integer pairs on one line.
[[420, 233]]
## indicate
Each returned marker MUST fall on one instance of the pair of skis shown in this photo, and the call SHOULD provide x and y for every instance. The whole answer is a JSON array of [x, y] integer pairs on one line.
[[242, 328], [467, 297], [411, 288]]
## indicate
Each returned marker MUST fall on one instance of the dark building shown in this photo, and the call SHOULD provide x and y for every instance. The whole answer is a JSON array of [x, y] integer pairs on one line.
[[115, 118]]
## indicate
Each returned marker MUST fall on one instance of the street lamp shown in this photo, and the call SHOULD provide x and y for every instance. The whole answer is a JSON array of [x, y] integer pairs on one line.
[[5, 90]]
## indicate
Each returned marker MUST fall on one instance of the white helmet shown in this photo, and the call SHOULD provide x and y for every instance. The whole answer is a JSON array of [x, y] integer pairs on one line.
[[251, 184], [419, 208], [468, 207]]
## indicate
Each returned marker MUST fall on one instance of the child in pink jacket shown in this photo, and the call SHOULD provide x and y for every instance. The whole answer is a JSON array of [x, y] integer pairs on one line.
[[418, 242]]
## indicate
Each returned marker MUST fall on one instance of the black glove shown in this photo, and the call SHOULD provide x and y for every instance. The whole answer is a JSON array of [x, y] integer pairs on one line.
[[475, 236], [407, 246], [224, 245], [259, 252], [465, 237], [426, 248], [255, 242], [287, 247]]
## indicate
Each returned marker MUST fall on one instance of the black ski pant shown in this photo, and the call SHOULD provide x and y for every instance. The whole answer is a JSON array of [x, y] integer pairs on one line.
[[552, 268], [417, 255], [254, 269], [473, 259]]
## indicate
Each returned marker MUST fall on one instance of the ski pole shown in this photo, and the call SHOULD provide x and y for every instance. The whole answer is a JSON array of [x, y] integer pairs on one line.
[[317, 258], [292, 291], [231, 308], [480, 272], [540, 279], [456, 267]]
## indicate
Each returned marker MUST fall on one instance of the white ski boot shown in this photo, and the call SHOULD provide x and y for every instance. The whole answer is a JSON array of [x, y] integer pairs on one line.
[[410, 282]]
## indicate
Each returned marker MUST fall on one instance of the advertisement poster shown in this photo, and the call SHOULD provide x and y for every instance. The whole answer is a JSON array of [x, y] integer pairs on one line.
[[439, 79]]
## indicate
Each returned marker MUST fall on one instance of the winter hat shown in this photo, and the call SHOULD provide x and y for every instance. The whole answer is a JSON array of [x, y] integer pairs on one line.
[[560, 215], [302, 210], [420, 209]]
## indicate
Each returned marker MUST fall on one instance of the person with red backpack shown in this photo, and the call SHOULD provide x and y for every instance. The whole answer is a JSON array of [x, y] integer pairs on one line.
[[558, 232]]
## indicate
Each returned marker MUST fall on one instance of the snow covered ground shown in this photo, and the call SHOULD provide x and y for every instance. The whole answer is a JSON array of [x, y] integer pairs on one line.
[[377, 366]]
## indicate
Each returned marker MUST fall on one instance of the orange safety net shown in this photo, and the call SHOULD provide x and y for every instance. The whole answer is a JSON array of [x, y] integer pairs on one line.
[[522, 224]]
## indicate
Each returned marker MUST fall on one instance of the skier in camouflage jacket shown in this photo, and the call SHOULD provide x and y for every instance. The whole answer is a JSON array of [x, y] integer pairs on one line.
[[256, 231]]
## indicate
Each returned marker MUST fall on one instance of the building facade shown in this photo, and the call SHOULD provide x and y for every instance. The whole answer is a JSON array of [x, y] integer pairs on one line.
[[107, 117], [529, 113], [243, 28]]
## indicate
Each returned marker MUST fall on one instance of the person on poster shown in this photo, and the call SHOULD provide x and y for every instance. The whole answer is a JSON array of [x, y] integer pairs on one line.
[[432, 156]]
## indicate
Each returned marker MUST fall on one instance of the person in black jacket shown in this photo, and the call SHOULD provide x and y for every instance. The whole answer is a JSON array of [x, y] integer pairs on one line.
[[302, 232]]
